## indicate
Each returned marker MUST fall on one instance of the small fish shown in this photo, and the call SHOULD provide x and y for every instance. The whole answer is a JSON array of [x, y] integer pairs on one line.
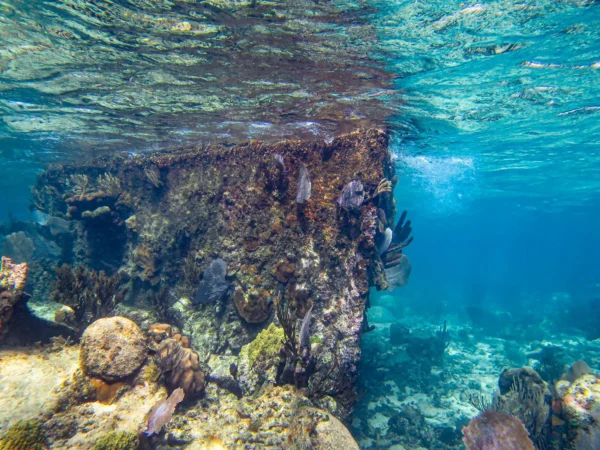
[[162, 412], [55, 224], [40, 217]]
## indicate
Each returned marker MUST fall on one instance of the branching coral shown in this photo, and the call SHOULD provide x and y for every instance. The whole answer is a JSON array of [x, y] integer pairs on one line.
[[296, 362], [89, 293], [109, 185]]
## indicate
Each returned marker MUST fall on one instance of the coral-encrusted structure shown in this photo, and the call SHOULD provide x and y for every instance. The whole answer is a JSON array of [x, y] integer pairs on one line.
[[238, 204], [12, 283]]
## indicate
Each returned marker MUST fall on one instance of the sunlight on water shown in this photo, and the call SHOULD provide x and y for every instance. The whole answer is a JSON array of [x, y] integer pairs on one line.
[[447, 182]]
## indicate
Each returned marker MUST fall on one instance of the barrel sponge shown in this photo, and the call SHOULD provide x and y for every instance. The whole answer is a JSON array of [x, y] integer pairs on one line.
[[24, 435]]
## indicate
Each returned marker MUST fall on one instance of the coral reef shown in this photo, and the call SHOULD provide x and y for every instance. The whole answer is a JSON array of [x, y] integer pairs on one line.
[[112, 348], [212, 237]]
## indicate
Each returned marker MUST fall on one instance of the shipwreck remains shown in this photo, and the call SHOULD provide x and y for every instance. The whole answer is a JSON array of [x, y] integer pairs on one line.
[[161, 220]]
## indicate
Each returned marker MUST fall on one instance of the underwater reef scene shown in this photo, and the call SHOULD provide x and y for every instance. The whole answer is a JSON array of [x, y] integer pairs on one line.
[[209, 211], [234, 279]]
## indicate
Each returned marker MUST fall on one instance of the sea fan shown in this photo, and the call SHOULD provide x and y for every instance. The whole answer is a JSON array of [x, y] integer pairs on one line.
[[398, 275], [305, 330], [353, 195], [213, 284]]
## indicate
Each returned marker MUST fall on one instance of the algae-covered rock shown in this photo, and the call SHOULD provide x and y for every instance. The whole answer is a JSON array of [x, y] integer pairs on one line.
[[25, 435], [117, 440], [112, 348], [332, 435], [258, 359], [266, 345]]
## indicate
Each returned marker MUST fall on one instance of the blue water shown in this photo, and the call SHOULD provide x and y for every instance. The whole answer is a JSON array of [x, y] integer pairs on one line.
[[493, 108]]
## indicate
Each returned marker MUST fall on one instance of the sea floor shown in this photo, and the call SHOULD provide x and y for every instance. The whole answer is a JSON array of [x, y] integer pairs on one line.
[[407, 406], [29, 378]]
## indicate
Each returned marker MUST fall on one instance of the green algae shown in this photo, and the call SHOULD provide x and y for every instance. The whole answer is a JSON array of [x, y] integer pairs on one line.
[[117, 440], [24, 435], [266, 345]]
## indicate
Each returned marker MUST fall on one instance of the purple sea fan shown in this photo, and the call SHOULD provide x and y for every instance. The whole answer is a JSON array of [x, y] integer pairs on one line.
[[493, 430], [398, 275], [353, 195], [162, 412]]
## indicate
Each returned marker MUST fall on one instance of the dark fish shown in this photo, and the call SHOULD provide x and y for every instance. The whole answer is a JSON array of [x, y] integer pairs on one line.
[[213, 284], [304, 186]]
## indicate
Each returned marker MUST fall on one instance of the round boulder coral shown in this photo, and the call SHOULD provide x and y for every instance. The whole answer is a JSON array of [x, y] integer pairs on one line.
[[112, 349]]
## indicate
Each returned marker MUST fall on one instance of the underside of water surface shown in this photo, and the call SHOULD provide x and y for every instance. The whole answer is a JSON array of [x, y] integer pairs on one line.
[[208, 211]]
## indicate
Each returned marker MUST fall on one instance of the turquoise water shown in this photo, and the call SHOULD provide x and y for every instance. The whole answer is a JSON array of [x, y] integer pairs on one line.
[[493, 108]]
